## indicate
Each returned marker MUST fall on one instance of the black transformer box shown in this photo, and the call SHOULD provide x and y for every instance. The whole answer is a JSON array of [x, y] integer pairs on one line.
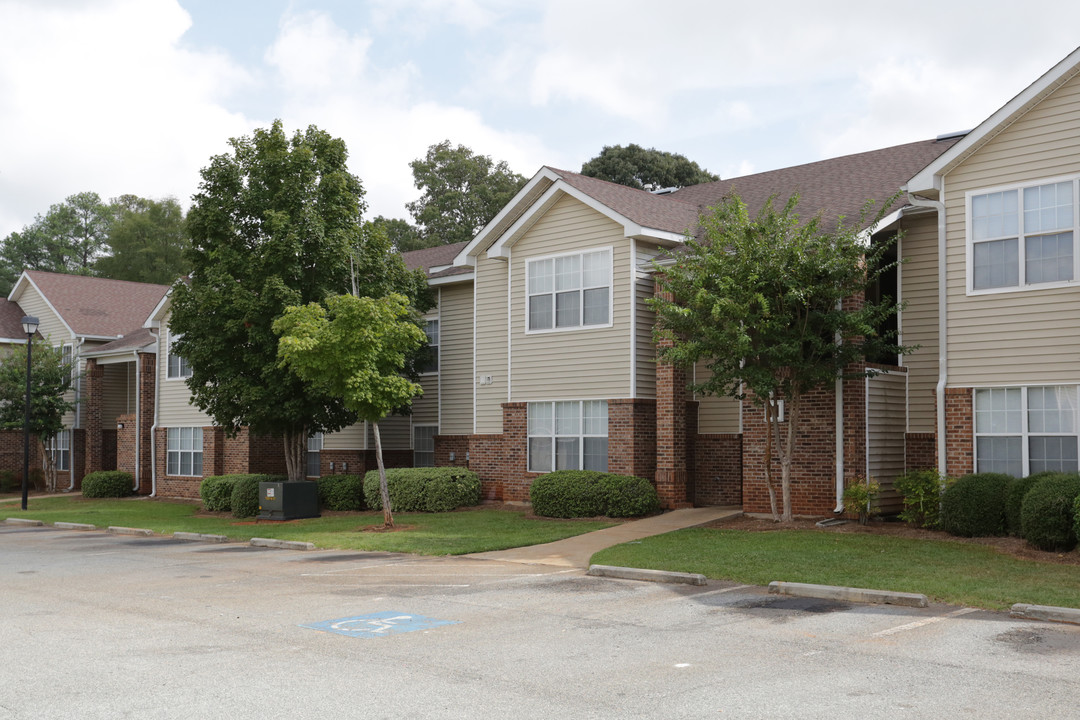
[[288, 500]]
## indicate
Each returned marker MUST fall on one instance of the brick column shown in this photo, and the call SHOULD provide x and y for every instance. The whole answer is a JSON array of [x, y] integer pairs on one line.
[[147, 380], [94, 376], [671, 474], [632, 437], [959, 432]]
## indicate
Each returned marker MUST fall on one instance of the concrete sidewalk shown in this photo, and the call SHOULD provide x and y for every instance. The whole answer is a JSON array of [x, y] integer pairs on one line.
[[575, 552]]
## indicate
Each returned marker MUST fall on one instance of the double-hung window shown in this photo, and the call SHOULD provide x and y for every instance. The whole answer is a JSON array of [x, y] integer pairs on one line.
[[184, 454], [178, 366], [1025, 430], [60, 448], [569, 291], [1023, 236], [430, 364], [424, 445], [568, 435], [314, 455]]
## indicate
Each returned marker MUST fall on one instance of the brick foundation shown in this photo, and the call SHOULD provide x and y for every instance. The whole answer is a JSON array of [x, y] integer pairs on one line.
[[920, 451], [342, 462], [632, 437], [718, 470], [959, 432]]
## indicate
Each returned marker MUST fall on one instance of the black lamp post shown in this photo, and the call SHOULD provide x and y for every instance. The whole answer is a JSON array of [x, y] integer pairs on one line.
[[30, 326]]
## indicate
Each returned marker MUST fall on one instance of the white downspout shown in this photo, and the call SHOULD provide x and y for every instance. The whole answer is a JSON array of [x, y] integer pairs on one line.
[[839, 443], [157, 405], [137, 426], [77, 357], [943, 367]]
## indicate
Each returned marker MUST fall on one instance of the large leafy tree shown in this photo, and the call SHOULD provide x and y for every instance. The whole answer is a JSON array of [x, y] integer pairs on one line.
[[462, 192], [355, 348], [645, 169], [767, 303], [51, 381], [274, 225], [146, 241]]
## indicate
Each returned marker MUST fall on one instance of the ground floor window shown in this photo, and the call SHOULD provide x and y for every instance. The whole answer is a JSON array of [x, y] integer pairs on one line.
[[185, 451], [568, 435], [314, 455], [1024, 430], [424, 445], [60, 450]]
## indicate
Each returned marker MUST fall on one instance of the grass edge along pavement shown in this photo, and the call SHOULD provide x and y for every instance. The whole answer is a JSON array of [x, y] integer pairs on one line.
[[451, 533], [952, 572]]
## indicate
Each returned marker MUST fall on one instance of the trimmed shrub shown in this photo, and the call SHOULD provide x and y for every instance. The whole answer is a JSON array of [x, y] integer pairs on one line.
[[974, 505], [108, 484], [921, 491], [341, 492], [245, 493], [1047, 513], [1014, 499], [429, 489], [588, 493], [216, 492], [859, 496]]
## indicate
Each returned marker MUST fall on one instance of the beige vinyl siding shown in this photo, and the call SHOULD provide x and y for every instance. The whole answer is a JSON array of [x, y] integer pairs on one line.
[[644, 286], [350, 438], [51, 327], [426, 407], [490, 301], [456, 359], [919, 319], [579, 363], [174, 398], [885, 424], [715, 414], [394, 431], [1026, 336], [119, 392]]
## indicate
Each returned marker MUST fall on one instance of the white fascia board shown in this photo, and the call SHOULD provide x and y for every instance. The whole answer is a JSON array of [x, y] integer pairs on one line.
[[451, 279], [468, 254], [121, 356], [890, 219], [929, 178], [154, 319], [31, 283], [631, 229], [13, 341]]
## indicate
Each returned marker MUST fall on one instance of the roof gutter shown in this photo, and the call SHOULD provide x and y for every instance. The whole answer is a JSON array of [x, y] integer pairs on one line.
[[943, 366]]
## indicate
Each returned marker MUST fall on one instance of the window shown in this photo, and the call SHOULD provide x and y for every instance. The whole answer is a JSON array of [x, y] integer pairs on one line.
[[1020, 431], [67, 357], [424, 445], [1023, 236], [569, 291], [60, 447], [430, 364], [185, 449], [178, 366], [314, 455], [568, 435]]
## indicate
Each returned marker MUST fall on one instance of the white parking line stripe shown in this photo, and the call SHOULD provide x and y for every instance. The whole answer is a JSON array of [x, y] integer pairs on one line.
[[925, 621]]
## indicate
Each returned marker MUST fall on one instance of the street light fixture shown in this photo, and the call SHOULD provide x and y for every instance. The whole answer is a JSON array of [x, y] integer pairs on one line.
[[30, 326]]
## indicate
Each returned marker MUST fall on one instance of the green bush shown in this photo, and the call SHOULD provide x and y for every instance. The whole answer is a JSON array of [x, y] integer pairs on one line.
[[216, 492], [859, 496], [341, 492], [921, 490], [245, 493], [1014, 499], [1047, 513], [429, 489], [108, 484], [588, 493], [9, 481], [974, 505]]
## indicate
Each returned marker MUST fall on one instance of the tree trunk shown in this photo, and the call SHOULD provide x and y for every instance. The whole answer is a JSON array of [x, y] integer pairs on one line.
[[48, 466], [787, 452], [295, 454], [384, 490], [770, 427]]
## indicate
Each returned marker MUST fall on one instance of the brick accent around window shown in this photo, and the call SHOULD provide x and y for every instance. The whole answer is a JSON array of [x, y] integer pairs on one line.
[[632, 437], [959, 432]]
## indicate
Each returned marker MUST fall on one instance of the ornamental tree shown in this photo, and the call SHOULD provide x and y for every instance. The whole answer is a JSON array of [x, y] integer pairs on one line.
[[355, 348], [645, 169], [762, 302]]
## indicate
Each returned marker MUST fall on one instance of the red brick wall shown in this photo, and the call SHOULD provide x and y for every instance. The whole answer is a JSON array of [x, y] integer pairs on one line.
[[920, 451], [345, 462], [959, 432], [125, 443], [671, 475], [11, 456], [93, 377], [632, 437], [718, 469], [147, 380], [171, 486], [78, 461]]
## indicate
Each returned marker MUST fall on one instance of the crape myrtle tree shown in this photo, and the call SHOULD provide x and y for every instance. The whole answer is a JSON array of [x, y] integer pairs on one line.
[[760, 301], [356, 348], [276, 223], [51, 380]]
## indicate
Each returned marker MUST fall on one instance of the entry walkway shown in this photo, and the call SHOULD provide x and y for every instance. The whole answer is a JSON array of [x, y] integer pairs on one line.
[[575, 552]]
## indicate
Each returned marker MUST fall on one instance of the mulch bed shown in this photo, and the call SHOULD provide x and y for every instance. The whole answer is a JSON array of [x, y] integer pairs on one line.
[[1006, 545]]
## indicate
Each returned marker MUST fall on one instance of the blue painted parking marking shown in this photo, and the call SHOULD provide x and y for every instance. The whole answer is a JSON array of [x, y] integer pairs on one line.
[[378, 624]]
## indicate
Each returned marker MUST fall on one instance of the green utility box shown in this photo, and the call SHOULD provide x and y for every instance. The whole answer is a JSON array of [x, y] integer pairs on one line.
[[288, 500]]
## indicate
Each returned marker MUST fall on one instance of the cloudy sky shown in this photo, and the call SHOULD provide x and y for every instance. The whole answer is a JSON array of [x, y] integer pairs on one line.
[[135, 96]]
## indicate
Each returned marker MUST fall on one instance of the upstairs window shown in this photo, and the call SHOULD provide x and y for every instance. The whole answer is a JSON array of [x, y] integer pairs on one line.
[[178, 366], [569, 291], [430, 362], [1023, 236]]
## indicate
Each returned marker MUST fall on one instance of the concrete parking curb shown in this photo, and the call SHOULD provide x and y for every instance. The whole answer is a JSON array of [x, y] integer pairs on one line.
[[203, 537], [74, 526], [116, 530], [663, 576], [861, 595], [1045, 612], [23, 521], [282, 544]]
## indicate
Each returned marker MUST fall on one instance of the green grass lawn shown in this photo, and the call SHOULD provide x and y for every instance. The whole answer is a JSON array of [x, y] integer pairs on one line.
[[953, 572], [452, 533]]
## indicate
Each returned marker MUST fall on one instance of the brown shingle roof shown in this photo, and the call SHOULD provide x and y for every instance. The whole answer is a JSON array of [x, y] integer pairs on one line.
[[660, 212], [135, 339], [98, 306], [432, 256], [11, 316]]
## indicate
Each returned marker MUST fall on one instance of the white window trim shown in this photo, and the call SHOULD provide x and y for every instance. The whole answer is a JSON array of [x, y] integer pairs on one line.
[[1025, 435], [1020, 187], [179, 464], [580, 436], [576, 328], [414, 429], [437, 347], [57, 448], [169, 337]]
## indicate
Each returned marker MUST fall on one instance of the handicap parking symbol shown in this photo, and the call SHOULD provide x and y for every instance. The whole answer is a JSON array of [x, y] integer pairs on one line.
[[378, 624]]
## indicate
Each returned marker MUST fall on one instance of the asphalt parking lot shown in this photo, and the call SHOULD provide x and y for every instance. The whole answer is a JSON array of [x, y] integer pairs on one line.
[[102, 626]]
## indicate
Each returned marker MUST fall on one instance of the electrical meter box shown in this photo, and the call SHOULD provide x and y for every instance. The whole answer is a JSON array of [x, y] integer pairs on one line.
[[288, 500]]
